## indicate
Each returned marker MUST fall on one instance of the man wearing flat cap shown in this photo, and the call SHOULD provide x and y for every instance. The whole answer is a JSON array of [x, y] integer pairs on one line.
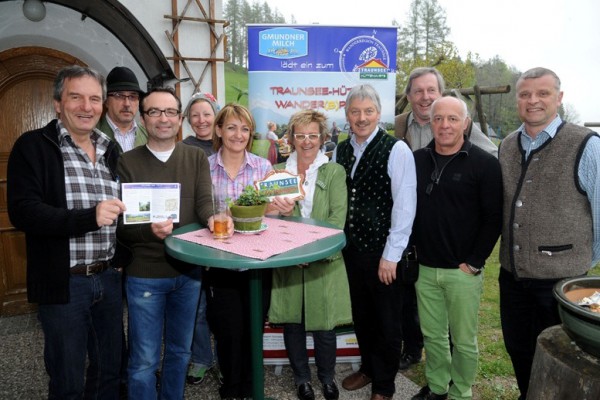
[[122, 101]]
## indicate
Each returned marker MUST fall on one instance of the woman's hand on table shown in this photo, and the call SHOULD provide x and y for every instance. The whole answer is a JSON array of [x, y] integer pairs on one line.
[[284, 205], [211, 225]]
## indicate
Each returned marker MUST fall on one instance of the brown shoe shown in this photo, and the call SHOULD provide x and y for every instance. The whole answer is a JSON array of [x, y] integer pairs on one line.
[[377, 396], [355, 381]]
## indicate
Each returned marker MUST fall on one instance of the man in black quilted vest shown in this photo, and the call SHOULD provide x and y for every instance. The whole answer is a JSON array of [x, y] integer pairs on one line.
[[551, 222], [380, 176]]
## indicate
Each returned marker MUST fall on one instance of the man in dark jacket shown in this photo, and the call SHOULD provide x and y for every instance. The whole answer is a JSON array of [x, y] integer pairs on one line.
[[64, 194], [458, 221], [425, 85]]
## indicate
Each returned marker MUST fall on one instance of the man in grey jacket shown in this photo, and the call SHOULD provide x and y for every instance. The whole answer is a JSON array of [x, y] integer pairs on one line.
[[425, 85]]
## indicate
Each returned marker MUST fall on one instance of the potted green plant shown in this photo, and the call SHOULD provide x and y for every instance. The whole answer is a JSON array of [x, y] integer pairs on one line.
[[248, 209]]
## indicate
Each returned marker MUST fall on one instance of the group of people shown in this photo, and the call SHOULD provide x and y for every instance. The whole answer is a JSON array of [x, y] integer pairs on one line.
[[439, 185]]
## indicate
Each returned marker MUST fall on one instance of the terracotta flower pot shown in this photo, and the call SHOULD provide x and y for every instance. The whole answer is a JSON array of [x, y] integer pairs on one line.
[[248, 218]]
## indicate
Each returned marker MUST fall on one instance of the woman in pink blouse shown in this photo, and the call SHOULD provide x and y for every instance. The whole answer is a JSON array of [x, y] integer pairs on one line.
[[233, 167]]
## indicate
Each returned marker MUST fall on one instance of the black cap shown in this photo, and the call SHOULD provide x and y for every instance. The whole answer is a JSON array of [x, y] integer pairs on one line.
[[122, 78]]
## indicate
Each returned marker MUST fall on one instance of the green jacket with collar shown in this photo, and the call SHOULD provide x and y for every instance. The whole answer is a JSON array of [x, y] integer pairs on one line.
[[323, 285]]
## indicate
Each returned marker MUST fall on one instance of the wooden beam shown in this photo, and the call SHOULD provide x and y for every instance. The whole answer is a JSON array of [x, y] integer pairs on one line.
[[482, 90], [207, 20], [176, 58], [479, 108], [402, 101]]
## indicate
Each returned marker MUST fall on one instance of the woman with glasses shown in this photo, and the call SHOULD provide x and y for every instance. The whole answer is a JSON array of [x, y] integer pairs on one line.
[[312, 297]]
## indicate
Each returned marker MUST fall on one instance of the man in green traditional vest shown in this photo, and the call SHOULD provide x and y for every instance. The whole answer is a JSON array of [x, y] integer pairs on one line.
[[381, 182], [551, 222], [122, 102]]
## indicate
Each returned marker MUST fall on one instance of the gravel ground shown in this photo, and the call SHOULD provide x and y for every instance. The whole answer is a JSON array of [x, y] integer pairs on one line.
[[22, 374]]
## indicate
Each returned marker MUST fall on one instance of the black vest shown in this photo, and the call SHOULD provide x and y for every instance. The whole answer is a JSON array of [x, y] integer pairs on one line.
[[369, 193]]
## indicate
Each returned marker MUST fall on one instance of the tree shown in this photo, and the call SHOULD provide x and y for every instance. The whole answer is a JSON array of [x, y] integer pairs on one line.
[[568, 113], [425, 31], [422, 42], [239, 13], [232, 14], [500, 110]]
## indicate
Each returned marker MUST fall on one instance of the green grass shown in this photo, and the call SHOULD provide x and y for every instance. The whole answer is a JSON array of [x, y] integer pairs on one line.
[[236, 81], [495, 379]]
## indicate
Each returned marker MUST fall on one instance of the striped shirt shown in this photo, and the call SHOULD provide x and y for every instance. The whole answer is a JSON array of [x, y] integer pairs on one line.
[[87, 184], [588, 171], [125, 139]]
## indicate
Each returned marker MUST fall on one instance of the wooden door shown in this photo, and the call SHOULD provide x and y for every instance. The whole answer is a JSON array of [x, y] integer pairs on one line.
[[26, 79]]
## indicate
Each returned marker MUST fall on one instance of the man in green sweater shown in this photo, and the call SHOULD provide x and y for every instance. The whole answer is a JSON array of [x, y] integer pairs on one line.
[[162, 291]]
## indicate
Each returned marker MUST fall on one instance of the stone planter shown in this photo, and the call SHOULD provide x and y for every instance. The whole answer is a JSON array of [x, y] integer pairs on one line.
[[580, 323], [247, 218]]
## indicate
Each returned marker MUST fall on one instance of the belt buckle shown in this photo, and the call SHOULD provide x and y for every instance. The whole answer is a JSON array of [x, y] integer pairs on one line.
[[88, 268]]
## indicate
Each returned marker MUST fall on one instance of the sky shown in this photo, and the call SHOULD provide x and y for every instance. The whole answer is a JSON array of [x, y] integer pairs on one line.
[[562, 35]]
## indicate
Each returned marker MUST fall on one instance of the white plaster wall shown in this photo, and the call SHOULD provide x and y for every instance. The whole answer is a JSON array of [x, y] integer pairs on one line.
[[63, 29], [193, 42]]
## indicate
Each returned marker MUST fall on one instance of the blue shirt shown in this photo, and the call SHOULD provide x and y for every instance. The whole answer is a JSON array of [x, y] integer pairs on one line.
[[402, 172], [588, 172]]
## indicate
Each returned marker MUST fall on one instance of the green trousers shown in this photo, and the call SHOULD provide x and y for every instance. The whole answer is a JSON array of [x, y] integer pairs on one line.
[[448, 301]]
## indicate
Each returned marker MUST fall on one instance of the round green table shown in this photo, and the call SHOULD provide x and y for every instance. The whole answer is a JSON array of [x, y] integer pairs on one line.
[[207, 256]]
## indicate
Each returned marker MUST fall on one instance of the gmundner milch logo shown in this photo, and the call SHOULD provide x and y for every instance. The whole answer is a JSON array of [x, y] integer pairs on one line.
[[283, 43], [367, 56]]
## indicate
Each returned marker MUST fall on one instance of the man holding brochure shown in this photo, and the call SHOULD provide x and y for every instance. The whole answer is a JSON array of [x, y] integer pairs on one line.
[[63, 194], [162, 291]]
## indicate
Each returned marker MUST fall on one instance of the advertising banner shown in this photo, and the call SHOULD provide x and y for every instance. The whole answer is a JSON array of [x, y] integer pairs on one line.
[[297, 67], [274, 352]]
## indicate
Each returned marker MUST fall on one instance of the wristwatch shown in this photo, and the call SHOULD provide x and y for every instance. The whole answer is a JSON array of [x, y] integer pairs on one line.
[[474, 271]]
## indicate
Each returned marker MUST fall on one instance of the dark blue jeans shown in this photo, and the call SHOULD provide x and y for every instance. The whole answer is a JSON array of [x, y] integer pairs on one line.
[[527, 307], [294, 336], [89, 325]]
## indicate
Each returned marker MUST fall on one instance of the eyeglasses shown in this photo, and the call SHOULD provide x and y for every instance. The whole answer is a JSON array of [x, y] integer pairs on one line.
[[301, 136], [156, 112], [123, 97]]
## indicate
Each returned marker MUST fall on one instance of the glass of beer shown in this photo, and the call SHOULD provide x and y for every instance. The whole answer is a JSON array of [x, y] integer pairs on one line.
[[220, 212], [220, 225]]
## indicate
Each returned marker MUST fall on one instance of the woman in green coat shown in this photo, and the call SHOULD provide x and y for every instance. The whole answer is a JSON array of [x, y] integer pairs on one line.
[[312, 297]]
